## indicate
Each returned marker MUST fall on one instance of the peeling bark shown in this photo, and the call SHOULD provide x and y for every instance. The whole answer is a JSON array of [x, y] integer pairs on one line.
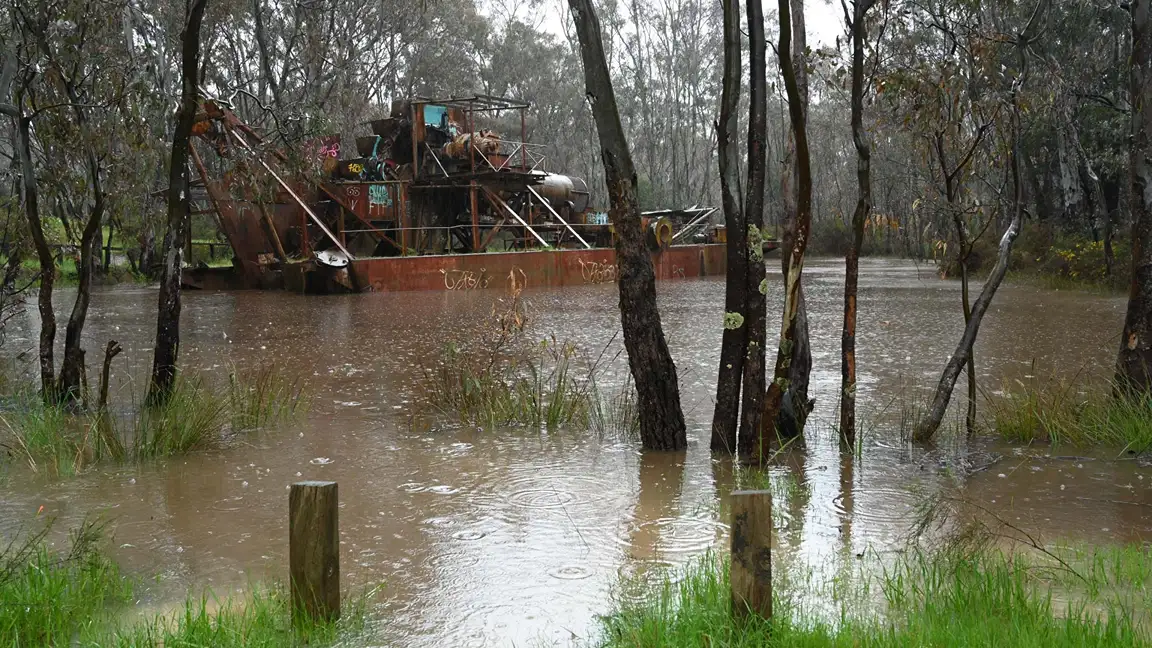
[[734, 344], [773, 400], [755, 286], [793, 417], [658, 392], [168, 312]]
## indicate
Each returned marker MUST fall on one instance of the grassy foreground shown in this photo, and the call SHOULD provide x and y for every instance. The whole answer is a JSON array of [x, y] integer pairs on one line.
[[977, 598], [80, 598]]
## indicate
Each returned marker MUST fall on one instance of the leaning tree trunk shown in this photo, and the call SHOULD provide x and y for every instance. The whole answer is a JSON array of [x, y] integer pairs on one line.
[[168, 311], [1134, 361], [734, 344], [928, 426], [657, 388], [859, 218], [795, 411], [773, 400], [45, 258], [756, 286]]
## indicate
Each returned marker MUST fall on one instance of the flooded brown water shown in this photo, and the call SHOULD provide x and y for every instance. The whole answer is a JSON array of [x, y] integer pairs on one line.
[[505, 538]]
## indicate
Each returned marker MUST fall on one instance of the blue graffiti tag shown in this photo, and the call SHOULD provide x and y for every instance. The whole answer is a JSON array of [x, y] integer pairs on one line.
[[378, 195]]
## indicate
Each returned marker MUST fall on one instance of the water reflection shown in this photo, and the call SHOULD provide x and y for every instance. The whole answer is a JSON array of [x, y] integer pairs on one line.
[[512, 537]]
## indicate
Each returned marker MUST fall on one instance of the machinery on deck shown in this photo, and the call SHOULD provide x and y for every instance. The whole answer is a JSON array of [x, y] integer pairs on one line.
[[428, 181]]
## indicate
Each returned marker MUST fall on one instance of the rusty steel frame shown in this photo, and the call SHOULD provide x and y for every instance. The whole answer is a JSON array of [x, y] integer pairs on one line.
[[299, 201], [555, 213], [495, 200]]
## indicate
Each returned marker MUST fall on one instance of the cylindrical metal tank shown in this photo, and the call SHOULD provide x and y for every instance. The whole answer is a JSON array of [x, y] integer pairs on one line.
[[563, 191]]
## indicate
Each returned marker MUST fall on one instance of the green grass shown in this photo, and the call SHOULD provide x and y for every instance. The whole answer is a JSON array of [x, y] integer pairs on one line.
[[536, 388], [49, 598], [1071, 414], [952, 598], [79, 598], [194, 417], [261, 620]]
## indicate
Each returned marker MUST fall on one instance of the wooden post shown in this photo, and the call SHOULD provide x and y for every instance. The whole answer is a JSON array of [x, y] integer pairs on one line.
[[314, 549], [751, 571]]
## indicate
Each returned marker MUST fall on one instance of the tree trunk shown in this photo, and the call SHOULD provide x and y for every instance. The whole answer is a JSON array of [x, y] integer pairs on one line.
[[168, 311], [966, 305], [45, 258], [734, 344], [795, 412], [859, 218], [657, 388], [1134, 361], [756, 286], [773, 400], [72, 368]]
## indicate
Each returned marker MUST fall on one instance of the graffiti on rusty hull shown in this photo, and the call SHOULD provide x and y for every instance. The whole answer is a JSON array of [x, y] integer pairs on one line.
[[678, 271], [465, 279], [596, 272]]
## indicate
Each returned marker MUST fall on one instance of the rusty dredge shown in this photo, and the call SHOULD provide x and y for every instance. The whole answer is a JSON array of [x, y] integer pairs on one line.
[[427, 193]]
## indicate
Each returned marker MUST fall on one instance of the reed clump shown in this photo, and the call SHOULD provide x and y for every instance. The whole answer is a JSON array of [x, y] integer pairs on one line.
[[505, 378], [1071, 413], [57, 441]]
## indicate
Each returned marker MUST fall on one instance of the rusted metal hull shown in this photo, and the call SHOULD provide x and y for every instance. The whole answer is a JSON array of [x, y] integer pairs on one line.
[[536, 268]]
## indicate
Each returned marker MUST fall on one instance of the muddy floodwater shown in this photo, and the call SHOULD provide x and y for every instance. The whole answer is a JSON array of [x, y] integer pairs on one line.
[[503, 538]]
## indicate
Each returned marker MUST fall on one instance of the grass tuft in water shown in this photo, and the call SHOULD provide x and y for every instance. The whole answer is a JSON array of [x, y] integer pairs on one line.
[[51, 440], [952, 598], [193, 418], [262, 397], [535, 388], [1067, 414], [502, 378]]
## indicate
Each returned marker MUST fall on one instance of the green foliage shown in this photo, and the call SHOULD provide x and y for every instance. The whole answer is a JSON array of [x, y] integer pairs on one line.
[[1051, 257], [952, 598], [536, 388]]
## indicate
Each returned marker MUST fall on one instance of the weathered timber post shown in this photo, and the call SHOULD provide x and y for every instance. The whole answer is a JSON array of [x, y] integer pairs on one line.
[[751, 571], [314, 549]]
